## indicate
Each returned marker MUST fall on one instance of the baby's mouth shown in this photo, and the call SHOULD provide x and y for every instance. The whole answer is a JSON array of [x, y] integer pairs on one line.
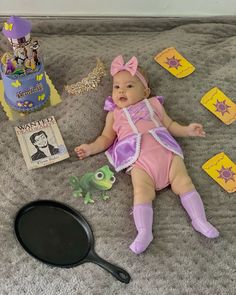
[[123, 99]]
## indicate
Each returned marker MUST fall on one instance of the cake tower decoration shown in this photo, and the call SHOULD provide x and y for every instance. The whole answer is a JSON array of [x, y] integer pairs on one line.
[[24, 79]]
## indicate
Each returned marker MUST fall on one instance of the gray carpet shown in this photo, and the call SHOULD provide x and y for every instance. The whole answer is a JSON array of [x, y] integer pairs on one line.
[[179, 260]]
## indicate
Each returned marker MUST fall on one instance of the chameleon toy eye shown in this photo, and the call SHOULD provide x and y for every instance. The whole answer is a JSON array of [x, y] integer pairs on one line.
[[99, 175], [112, 179]]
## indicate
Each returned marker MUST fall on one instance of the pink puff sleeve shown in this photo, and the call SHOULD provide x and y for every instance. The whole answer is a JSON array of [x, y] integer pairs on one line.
[[157, 104]]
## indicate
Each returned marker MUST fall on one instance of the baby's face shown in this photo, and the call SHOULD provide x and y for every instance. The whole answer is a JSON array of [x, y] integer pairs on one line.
[[127, 89]]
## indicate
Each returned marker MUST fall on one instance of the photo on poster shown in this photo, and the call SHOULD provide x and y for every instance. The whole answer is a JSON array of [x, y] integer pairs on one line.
[[41, 143]]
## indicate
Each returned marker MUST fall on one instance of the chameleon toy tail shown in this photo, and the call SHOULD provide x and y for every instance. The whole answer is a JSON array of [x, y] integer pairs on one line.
[[74, 181]]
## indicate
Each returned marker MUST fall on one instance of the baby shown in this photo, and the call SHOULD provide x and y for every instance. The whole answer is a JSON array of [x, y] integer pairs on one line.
[[138, 136]]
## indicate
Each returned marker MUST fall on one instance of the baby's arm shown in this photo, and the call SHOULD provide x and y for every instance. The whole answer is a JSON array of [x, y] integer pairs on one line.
[[193, 129], [101, 143]]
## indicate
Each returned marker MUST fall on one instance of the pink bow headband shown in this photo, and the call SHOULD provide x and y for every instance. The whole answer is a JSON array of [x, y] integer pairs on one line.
[[131, 66]]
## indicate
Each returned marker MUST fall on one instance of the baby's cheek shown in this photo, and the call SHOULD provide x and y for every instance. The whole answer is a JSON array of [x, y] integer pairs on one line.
[[114, 98]]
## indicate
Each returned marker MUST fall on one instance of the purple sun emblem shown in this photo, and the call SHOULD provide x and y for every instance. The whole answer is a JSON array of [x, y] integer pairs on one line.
[[222, 107], [173, 62], [226, 174]]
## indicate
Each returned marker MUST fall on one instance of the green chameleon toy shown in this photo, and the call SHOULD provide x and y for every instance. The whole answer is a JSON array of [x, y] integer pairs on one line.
[[101, 180]]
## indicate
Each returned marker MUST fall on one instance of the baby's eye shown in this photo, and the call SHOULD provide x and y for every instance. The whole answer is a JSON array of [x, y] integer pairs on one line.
[[129, 86], [116, 86]]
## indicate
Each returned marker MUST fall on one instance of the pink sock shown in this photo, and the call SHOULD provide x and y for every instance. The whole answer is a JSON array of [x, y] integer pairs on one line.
[[143, 217], [192, 203]]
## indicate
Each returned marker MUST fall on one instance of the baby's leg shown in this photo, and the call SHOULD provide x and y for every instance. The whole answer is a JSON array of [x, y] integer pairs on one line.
[[182, 185], [144, 194]]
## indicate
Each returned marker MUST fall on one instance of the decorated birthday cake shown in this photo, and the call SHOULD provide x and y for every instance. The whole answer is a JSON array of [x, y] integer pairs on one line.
[[25, 85]]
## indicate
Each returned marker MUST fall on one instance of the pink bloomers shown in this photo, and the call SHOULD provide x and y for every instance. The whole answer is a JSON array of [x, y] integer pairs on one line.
[[155, 160]]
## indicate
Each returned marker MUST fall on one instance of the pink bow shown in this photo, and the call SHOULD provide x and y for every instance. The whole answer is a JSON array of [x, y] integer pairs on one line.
[[118, 65]]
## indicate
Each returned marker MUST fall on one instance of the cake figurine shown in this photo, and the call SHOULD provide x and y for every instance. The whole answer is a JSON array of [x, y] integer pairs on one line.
[[22, 71]]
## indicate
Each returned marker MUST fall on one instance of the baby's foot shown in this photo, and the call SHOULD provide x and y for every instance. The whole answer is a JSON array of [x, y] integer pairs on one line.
[[205, 228], [141, 242]]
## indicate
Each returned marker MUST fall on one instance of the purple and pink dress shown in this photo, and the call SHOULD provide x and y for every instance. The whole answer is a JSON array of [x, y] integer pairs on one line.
[[142, 140]]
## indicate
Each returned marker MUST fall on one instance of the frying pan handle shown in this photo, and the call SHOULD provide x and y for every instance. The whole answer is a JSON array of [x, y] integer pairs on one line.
[[119, 273]]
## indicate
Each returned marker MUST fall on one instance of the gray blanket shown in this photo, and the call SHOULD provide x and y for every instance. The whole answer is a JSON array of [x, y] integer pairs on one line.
[[179, 260]]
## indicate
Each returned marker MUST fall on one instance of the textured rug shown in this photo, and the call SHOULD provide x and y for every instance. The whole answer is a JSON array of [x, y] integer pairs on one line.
[[179, 260]]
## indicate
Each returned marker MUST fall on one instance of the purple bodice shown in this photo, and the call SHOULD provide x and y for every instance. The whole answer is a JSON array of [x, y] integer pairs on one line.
[[125, 151]]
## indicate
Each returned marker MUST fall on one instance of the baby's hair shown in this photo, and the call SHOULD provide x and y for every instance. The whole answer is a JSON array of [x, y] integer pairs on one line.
[[144, 73]]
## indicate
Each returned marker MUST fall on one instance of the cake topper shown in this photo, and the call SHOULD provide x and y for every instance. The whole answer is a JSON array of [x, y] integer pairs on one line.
[[24, 80], [25, 57]]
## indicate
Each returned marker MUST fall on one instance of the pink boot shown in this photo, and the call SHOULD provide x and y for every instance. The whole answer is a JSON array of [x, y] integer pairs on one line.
[[143, 217], [192, 203]]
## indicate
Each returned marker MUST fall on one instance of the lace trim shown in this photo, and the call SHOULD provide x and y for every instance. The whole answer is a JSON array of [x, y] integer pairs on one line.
[[164, 145], [151, 111], [131, 160]]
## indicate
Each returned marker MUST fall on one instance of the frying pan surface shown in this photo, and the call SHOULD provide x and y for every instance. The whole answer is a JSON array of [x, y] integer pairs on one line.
[[58, 235]]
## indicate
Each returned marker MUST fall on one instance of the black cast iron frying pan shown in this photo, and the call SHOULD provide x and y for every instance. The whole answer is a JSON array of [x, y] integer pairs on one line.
[[58, 235]]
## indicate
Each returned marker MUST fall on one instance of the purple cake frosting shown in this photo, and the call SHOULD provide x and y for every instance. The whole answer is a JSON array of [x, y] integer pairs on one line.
[[20, 27], [25, 85]]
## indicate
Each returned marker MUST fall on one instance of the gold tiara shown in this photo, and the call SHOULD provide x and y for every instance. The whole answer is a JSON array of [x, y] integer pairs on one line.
[[88, 83]]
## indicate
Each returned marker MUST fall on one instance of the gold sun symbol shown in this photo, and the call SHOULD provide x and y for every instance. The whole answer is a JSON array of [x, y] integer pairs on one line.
[[226, 174], [173, 62], [221, 107]]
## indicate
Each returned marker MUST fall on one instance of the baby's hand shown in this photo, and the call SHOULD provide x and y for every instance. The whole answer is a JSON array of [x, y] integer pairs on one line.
[[195, 129], [83, 151]]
